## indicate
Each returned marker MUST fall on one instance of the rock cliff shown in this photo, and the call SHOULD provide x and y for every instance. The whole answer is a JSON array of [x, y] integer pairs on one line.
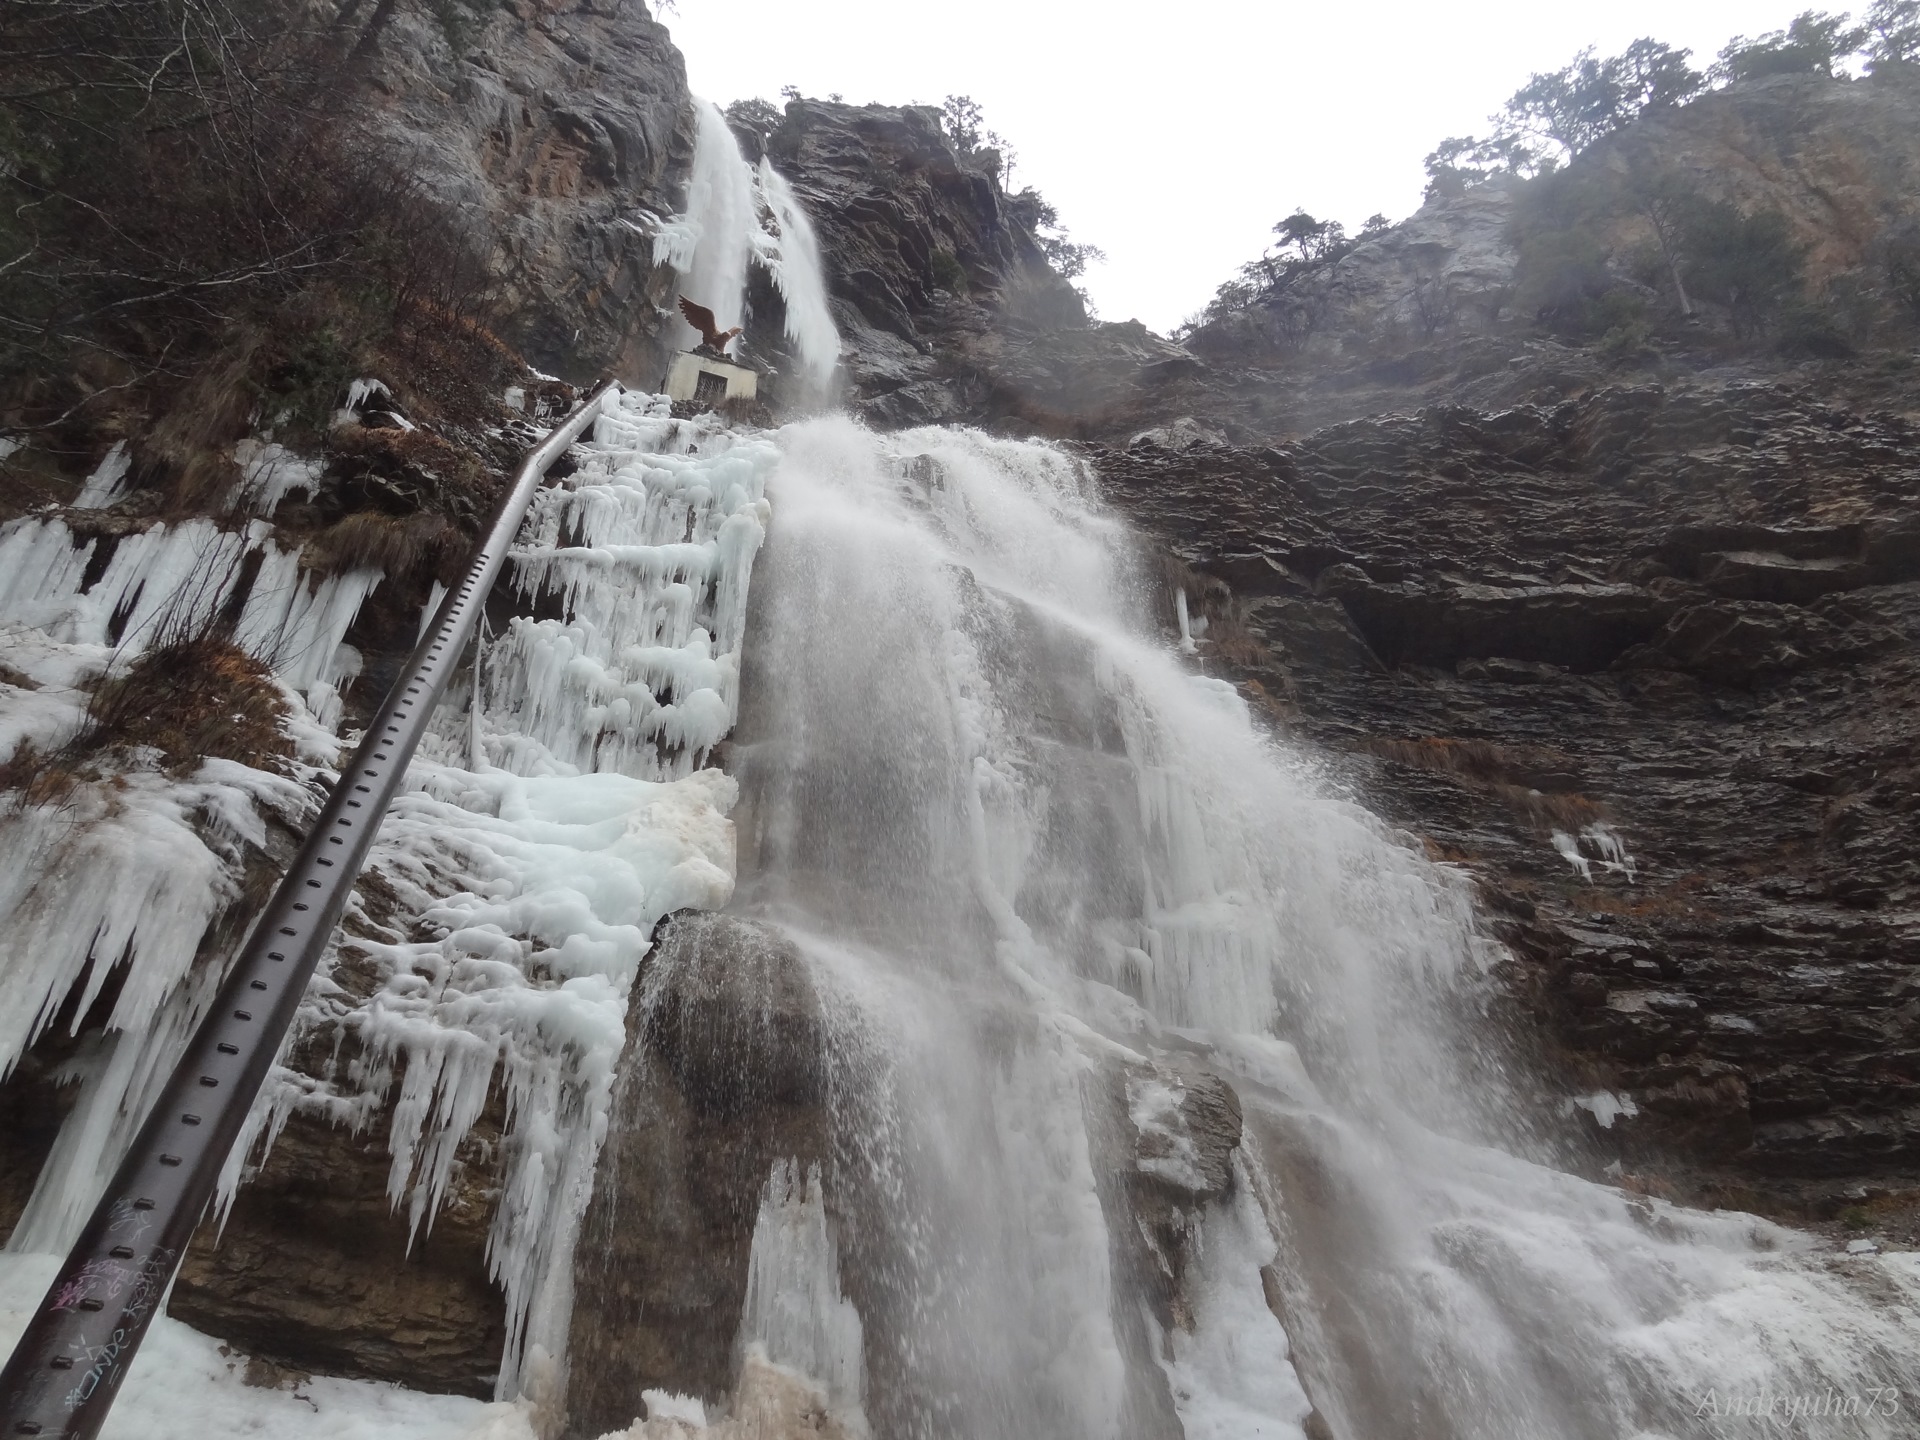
[[1644, 662], [560, 127], [1630, 635]]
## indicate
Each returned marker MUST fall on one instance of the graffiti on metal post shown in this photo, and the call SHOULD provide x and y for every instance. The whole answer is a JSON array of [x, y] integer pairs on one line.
[[93, 1282]]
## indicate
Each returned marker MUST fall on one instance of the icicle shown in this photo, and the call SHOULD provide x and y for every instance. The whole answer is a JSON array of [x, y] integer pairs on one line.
[[103, 486], [544, 866], [130, 873], [795, 1315], [169, 580], [270, 472], [1187, 647]]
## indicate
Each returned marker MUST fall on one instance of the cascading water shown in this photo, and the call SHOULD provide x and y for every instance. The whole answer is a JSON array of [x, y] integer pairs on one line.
[[1051, 889], [1114, 1076], [739, 214]]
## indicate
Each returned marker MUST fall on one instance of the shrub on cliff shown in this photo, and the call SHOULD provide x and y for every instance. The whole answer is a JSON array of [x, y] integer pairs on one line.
[[1748, 263], [1811, 45], [181, 177], [1898, 257], [1289, 290], [1563, 275], [1559, 113], [1569, 109], [1893, 37]]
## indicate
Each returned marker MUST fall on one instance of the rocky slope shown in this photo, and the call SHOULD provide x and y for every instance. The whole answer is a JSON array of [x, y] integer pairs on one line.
[[1837, 159], [1684, 618], [1630, 637], [946, 305], [559, 129]]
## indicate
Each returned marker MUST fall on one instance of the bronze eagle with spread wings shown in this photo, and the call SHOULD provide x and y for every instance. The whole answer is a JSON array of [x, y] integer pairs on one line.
[[701, 319]]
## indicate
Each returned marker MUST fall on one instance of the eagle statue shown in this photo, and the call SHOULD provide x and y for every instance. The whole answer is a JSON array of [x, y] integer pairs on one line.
[[712, 337]]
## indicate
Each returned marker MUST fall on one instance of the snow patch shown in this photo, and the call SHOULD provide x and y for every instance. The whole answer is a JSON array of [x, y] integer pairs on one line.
[[1605, 1107], [188, 1386]]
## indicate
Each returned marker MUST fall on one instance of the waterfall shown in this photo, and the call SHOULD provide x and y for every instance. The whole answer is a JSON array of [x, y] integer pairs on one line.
[[1160, 1097], [739, 214], [1074, 1058]]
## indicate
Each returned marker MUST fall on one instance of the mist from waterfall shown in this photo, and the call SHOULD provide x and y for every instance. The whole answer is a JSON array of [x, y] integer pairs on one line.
[[1045, 877], [738, 214]]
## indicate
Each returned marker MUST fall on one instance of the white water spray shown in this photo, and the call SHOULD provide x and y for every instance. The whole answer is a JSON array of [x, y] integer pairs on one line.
[[1023, 850]]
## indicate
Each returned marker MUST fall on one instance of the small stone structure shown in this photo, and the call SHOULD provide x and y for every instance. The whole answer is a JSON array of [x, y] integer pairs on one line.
[[703, 380]]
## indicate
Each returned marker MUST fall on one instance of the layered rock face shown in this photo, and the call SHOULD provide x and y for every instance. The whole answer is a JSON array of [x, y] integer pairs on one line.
[[1645, 662], [946, 305], [1837, 158], [562, 127], [1634, 646]]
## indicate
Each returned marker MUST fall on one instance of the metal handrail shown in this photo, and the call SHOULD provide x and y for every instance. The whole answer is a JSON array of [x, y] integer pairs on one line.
[[67, 1367]]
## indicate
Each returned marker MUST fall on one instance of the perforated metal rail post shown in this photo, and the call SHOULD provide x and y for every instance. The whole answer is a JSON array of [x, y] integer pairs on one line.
[[68, 1365]]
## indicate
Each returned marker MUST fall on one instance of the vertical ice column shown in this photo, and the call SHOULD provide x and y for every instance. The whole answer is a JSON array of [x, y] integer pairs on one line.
[[795, 1316]]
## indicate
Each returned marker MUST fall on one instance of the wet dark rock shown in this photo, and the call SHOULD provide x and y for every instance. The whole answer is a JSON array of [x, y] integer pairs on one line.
[[361, 1299], [315, 1268], [1185, 1126], [723, 1076], [1164, 1139], [1688, 614], [946, 305]]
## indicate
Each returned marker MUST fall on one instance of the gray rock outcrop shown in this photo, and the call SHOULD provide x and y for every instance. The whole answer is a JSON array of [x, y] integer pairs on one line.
[[561, 130], [1683, 620]]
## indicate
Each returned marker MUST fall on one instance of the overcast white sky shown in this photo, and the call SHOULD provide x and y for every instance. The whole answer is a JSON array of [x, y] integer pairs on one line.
[[1175, 135]]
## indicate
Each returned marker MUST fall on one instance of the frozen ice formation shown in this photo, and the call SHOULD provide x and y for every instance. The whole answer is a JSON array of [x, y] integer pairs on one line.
[[171, 580], [132, 870], [545, 836]]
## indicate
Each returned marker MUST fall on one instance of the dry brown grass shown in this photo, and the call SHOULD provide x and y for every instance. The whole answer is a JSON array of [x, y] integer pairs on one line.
[[36, 776], [401, 545], [190, 699], [427, 470], [190, 447], [1233, 641], [450, 368]]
